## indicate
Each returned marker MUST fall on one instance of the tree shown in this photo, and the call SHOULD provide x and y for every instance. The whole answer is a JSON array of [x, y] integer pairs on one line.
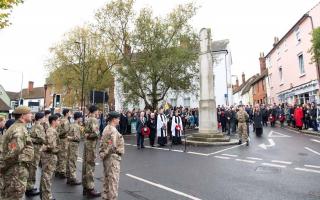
[[156, 54], [80, 56], [5, 9], [315, 49]]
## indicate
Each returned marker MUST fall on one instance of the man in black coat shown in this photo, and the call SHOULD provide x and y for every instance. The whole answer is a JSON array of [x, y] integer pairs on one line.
[[152, 124], [123, 123], [313, 117], [257, 120], [142, 122]]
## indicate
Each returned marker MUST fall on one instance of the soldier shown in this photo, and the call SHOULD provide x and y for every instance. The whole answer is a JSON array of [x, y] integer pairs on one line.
[[46, 124], [242, 117], [74, 140], [49, 158], [16, 156], [37, 137], [89, 156], [63, 131], [111, 150]]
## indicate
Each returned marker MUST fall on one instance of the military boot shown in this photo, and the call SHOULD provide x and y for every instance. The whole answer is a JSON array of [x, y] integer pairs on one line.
[[31, 193], [73, 182], [91, 193], [240, 142]]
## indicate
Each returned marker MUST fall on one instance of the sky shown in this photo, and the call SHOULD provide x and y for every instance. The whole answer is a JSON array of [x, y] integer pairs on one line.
[[37, 25]]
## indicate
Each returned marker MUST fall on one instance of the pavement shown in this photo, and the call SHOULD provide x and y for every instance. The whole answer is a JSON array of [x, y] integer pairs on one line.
[[281, 165]]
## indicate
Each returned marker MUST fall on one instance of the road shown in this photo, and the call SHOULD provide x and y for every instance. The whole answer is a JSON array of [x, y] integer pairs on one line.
[[281, 165]]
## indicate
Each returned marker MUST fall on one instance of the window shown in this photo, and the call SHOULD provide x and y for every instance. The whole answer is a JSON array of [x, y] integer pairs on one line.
[[280, 74], [173, 102], [298, 37], [301, 64], [186, 102]]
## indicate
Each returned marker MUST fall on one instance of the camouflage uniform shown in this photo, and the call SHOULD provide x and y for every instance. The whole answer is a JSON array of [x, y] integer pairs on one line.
[[49, 161], [89, 156], [242, 117], [74, 139], [37, 137], [111, 149], [15, 158], [63, 130], [45, 125]]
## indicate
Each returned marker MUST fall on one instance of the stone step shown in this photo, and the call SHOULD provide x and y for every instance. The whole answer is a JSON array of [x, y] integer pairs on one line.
[[208, 135], [224, 139]]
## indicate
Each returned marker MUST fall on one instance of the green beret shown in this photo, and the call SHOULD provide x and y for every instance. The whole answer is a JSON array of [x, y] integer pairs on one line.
[[113, 115], [22, 110]]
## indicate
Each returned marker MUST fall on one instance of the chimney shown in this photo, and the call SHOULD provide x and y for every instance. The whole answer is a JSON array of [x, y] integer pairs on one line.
[[262, 60], [237, 82], [30, 86], [275, 41], [243, 78]]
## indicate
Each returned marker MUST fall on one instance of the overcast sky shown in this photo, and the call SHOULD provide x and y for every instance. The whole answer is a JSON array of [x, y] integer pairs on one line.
[[250, 25]]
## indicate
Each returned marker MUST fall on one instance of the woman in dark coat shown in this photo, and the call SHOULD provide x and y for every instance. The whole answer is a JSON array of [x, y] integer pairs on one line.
[[223, 121], [257, 120]]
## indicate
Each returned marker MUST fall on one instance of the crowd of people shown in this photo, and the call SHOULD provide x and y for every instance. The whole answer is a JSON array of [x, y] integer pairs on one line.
[[51, 143], [303, 116]]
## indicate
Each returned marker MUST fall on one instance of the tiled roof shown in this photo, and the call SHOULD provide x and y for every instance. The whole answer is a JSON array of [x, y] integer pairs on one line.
[[36, 93], [4, 106], [13, 95], [219, 45]]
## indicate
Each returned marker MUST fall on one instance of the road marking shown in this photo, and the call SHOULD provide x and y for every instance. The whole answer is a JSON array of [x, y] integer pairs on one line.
[[265, 146], [307, 170], [128, 144], [163, 187], [313, 166], [164, 149], [196, 153], [275, 134], [230, 155], [253, 158], [247, 161], [176, 150], [313, 151], [274, 165], [222, 157], [226, 149], [281, 162], [314, 140]]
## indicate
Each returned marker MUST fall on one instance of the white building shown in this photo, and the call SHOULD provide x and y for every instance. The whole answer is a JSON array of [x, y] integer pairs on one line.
[[223, 87]]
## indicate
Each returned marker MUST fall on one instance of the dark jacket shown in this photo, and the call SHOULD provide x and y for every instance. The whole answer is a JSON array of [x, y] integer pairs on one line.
[[257, 119], [140, 125]]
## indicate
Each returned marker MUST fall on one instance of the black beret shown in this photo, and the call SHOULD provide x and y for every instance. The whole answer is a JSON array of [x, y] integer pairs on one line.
[[39, 115], [9, 123], [93, 108], [77, 115]]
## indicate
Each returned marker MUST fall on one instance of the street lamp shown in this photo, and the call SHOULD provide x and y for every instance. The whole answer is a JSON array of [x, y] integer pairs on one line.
[[6, 69], [81, 64]]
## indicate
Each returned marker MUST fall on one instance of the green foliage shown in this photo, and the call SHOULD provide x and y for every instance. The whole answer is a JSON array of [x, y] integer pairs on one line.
[[81, 51], [6, 7], [315, 50], [156, 54]]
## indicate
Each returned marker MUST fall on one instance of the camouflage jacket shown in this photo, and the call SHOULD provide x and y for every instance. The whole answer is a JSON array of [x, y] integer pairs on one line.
[[112, 142], [45, 125], [51, 141], [64, 128], [92, 128], [37, 134], [242, 116], [17, 145], [74, 134]]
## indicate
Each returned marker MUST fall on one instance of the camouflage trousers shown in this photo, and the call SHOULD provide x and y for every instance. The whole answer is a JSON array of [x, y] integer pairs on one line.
[[62, 156], [88, 164], [243, 133], [72, 160], [49, 162], [15, 179], [111, 177], [33, 167]]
